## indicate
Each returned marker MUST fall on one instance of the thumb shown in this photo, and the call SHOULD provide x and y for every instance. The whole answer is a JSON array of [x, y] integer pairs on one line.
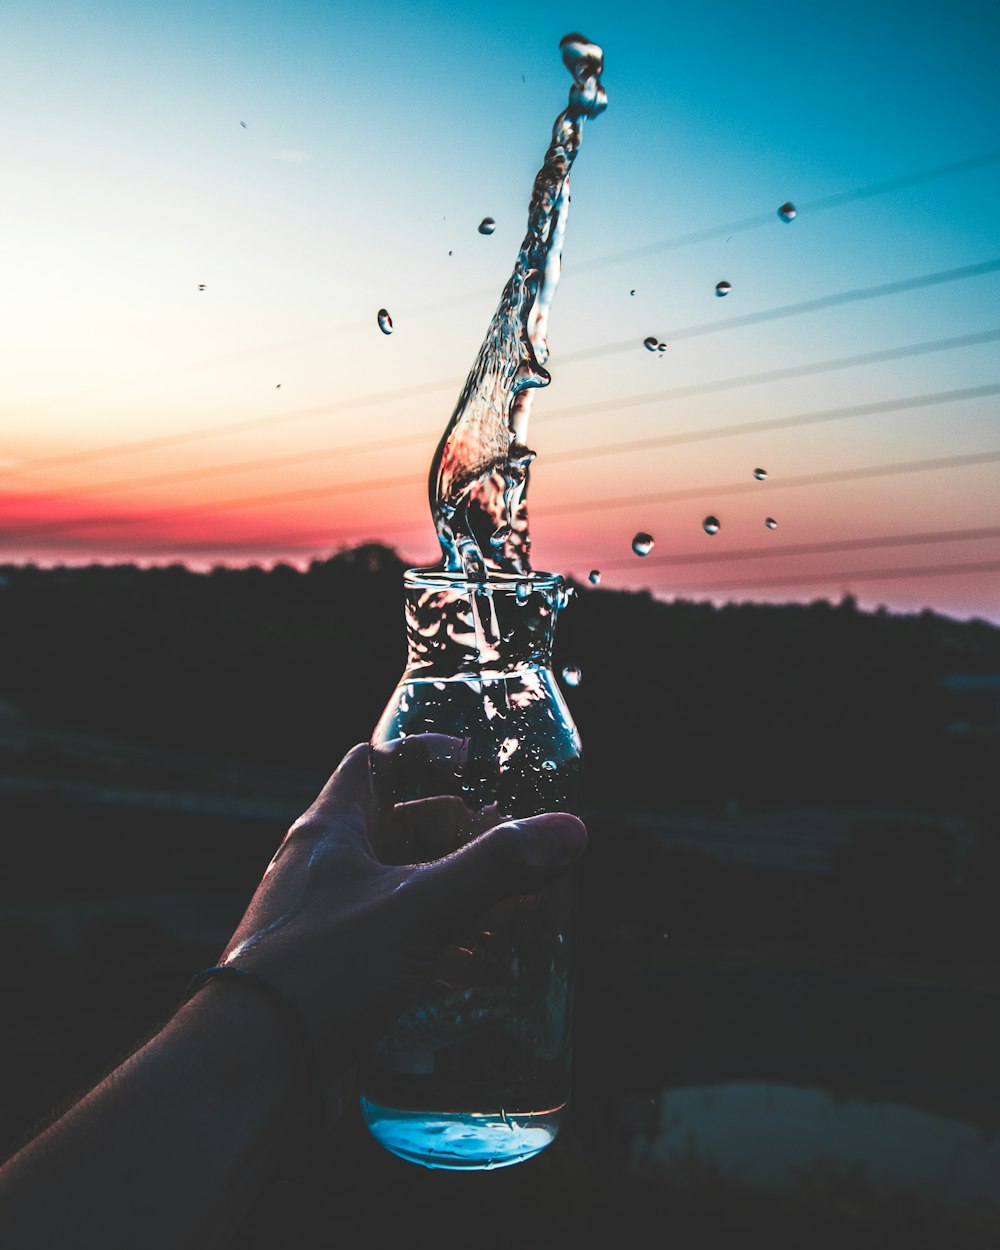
[[518, 857]]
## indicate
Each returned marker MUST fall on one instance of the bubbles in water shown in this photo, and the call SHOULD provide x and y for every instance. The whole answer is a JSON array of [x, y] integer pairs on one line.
[[522, 592], [788, 211], [594, 577], [760, 475], [572, 675], [652, 344], [642, 544], [723, 288], [711, 525], [487, 225], [771, 523], [384, 321]]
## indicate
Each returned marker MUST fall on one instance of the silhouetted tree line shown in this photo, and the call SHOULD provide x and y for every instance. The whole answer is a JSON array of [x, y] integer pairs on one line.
[[681, 703]]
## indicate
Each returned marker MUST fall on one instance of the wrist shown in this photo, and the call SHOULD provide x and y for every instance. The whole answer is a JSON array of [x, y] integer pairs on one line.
[[251, 1066]]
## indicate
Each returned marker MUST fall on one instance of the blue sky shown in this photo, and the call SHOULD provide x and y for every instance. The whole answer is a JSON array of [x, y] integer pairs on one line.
[[376, 138]]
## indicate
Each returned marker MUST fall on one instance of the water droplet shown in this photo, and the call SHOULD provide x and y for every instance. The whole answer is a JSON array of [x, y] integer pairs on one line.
[[277, 386], [760, 475], [487, 225], [244, 125], [384, 321], [788, 211], [661, 347], [711, 525], [549, 766], [500, 536], [651, 344], [723, 288], [201, 286], [594, 577], [522, 592], [642, 544], [571, 675], [771, 523], [631, 292]]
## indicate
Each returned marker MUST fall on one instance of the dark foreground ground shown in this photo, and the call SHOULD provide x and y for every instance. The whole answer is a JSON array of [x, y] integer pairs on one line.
[[708, 974], [788, 1006]]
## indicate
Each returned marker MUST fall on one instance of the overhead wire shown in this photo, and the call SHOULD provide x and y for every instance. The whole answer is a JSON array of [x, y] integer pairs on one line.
[[312, 492], [545, 417], [813, 549]]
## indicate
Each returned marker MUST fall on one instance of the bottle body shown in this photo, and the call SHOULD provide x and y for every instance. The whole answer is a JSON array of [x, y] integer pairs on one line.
[[476, 1074]]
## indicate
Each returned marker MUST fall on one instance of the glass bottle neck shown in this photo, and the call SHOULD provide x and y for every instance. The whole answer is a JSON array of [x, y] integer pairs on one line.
[[458, 628]]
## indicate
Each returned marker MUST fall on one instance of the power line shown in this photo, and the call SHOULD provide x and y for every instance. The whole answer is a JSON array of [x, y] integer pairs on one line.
[[787, 310], [866, 192], [804, 479], [235, 427], [857, 295], [865, 575], [775, 423], [814, 549], [672, 393], [691, 436]]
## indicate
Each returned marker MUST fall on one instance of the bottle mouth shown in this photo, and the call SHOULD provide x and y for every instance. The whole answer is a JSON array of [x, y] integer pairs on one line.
[[446, 579]]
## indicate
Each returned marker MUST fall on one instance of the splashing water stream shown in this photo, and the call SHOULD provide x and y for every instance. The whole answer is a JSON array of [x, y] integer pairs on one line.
[[479, 474]]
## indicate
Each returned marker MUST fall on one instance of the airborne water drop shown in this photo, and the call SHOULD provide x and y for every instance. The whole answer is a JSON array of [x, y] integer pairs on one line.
[[572, 675], [642, 544], [788, 211], [771, 523], [487, 225], [652, 344], [723, 288], [760, 475], [711, 525], [594, 577], [384, 321]]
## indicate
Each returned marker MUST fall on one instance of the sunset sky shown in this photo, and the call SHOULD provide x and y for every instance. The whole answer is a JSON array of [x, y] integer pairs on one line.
[[309, 163]]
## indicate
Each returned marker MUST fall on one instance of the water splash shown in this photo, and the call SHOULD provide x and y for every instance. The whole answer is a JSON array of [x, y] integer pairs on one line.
[[479, 474], [384, 321], [711, 525], [642, 544]]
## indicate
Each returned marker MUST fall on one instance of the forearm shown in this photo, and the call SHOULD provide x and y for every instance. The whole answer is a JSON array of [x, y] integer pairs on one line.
[[168, 1150]]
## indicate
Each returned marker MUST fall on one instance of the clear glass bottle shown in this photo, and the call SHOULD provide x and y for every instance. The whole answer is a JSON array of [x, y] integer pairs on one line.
[[477, 731]]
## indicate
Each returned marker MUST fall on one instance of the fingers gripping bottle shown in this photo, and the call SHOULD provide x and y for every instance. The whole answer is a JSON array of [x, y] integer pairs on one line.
[[476, 732]]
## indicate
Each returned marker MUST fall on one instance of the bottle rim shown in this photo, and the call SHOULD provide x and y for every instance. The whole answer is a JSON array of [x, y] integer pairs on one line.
[[448, 579]]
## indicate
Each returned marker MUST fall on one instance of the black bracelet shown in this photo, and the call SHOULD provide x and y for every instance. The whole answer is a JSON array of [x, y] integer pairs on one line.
[[314, 1080]]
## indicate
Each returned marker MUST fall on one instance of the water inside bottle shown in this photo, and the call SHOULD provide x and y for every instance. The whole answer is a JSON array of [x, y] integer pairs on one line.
[[477, 1075]]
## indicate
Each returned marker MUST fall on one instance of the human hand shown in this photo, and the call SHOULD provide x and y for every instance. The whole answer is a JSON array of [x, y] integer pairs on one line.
[[350, 940]]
